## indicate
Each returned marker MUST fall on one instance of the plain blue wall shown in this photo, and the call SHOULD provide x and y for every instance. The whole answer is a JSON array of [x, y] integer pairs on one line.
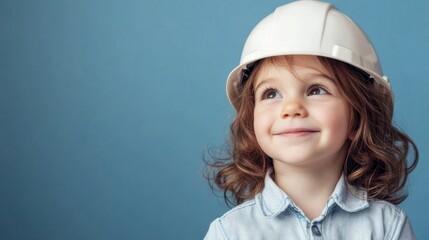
[[106, 107]]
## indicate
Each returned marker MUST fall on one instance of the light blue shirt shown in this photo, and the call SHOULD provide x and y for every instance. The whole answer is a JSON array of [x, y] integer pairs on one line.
[[347, 215]]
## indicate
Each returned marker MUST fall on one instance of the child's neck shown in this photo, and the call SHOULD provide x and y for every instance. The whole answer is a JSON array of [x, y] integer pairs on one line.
[[309, 189]]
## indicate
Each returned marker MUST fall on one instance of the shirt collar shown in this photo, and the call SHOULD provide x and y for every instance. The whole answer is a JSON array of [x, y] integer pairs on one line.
[[274, 200]]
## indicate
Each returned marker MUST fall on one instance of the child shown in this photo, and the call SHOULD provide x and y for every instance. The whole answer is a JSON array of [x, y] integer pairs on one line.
[[313, 152]]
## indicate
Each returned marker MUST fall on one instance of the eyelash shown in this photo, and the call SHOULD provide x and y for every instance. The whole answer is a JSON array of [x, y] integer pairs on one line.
[[267, 90], [317, 86]]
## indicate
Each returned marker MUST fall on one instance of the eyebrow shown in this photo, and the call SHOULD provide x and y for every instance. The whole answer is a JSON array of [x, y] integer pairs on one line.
[[318, 74], [264, 81]]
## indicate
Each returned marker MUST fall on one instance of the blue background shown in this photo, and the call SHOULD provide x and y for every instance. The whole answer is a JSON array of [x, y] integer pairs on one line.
[[107, 106]]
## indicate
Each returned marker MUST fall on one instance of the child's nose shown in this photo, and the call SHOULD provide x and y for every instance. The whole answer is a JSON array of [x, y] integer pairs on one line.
[[293, 108]]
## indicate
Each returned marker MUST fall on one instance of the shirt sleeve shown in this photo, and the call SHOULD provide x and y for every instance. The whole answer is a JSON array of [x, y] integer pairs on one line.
[[215, 231], [403, 229]]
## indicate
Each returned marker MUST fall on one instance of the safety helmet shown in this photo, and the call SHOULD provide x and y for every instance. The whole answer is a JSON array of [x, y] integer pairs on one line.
[[307, 27]]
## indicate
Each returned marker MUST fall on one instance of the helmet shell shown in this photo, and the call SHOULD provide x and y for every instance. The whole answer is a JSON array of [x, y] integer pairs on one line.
[[307, 27]]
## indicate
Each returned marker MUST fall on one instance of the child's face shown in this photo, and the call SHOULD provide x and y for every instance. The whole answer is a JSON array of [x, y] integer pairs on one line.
[[301, 117]]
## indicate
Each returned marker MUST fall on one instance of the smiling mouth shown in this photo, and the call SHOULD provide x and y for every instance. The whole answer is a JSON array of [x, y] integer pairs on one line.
[[297, 132]]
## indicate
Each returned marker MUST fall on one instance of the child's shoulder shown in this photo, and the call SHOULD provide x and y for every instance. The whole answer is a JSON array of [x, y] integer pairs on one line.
[[244, 209], [385, 208], [236, 222], [382, 213], [387, 219], [386, 212]]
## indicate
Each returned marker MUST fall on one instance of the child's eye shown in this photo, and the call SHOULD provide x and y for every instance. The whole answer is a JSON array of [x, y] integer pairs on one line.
[[270, 94], [317, 90]]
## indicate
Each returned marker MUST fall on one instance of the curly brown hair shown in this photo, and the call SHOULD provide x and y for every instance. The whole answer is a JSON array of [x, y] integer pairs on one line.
[[377, 156]]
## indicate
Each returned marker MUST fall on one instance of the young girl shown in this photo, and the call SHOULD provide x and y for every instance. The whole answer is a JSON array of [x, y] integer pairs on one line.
[[313, 152]]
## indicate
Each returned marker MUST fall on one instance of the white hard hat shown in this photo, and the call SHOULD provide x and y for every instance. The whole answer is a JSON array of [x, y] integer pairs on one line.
[[307, 27]]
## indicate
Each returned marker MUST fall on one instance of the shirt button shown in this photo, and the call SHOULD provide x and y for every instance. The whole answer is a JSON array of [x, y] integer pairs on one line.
[[316, 231]]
